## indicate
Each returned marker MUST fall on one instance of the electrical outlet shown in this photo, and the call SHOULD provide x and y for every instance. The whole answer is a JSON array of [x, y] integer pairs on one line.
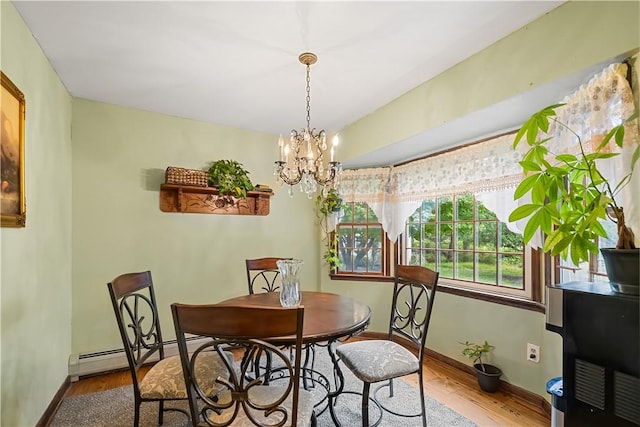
[[533, 353]]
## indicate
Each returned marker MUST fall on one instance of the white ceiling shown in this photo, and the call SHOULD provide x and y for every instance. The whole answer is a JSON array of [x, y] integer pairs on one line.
[[236, 63]]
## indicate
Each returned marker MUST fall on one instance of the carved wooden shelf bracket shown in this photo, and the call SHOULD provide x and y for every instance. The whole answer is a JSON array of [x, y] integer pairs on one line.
[[206, 200]]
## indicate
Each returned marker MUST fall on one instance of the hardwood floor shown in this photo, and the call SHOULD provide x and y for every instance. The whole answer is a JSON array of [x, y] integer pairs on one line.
[[450, 386], [460, 392]]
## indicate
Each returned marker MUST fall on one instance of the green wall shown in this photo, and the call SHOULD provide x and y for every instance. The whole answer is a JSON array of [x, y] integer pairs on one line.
[[119, 158], [35, 273], [573, 37]]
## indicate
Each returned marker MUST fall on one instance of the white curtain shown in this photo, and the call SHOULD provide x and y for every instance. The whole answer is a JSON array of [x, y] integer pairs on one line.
[[597, 106], [366, 186], [604, 102], [490, 169]]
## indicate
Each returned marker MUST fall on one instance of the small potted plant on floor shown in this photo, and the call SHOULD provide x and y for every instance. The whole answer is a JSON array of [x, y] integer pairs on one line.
[[488, 375], [570, 196]]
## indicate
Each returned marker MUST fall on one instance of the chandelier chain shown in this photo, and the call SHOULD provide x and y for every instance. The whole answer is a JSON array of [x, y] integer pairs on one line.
[[308, 96]]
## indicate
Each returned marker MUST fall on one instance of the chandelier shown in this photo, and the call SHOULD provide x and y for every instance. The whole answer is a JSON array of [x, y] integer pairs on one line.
[[302, 158]]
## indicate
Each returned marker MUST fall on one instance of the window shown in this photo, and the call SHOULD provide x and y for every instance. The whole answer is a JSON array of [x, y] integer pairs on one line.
[[463, 240], [363, 247]]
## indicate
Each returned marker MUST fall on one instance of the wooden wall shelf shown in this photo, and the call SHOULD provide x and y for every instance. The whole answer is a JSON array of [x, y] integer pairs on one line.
[[206, 200]]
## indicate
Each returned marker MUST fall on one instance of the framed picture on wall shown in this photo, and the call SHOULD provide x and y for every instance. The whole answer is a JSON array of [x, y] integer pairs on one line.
[[12, 109]]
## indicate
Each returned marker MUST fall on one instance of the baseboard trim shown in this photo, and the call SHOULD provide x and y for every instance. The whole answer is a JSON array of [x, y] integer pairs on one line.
[[51, 410], [101, 362], [508, 388]]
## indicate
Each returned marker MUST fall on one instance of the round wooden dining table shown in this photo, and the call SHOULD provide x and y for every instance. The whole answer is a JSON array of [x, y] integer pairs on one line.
[[327, 318]]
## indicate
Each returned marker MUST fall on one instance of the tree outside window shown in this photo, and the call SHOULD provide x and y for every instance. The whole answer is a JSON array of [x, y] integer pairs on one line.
[[463, 240], [362, 246]]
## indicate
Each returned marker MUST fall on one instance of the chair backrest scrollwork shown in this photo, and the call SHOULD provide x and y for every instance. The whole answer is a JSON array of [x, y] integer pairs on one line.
[[413, 295], [262, 274], [134, 304]]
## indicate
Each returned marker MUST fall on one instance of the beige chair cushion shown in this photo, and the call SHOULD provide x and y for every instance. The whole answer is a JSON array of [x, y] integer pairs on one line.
[[165, 379], [266, 395], [377, 360]]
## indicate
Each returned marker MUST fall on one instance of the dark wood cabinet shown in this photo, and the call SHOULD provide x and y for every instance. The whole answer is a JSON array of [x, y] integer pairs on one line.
[[601, 353]]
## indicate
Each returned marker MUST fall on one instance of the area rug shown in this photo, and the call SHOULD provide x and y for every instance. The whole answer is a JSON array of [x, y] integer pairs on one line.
[[114, 408]]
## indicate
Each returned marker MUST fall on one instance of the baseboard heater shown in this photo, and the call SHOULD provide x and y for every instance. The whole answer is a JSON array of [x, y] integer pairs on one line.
[[84, 364]]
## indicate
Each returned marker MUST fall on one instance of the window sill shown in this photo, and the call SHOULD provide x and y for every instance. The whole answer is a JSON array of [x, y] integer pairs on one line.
[[492, 297], [449, 289], [361, 278]]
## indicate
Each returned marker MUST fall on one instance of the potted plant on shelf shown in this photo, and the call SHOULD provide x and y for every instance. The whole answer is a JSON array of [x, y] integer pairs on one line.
[[488, 375], [570, 196], [231, 179], [329, 204]]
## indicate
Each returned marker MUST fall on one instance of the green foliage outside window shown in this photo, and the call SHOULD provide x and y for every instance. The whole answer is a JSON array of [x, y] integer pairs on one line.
[[462, 239], [360, 240]]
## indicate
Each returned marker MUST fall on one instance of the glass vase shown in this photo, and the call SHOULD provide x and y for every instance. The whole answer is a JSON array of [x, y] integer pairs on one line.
[[290, 287]]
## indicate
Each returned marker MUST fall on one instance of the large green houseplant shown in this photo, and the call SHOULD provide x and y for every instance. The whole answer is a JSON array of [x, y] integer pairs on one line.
[[570, 195]]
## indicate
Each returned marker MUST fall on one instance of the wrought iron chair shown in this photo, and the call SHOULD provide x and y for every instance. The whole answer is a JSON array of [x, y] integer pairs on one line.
[[374, 361], [246, 400], [134, 304], [262, 272]]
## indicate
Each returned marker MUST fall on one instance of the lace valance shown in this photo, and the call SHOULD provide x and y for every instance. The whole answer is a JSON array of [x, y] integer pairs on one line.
[[364, 185], [487, 166], [591, 111]]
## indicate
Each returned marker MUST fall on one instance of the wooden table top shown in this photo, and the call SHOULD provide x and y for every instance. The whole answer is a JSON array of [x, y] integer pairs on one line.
[[326, 316]]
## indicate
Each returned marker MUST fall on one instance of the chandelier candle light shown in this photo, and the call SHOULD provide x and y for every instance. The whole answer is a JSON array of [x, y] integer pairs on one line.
[[301, 159]]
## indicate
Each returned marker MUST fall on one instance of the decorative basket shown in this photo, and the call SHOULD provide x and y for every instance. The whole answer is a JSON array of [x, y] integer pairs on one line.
[[184, 176]]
